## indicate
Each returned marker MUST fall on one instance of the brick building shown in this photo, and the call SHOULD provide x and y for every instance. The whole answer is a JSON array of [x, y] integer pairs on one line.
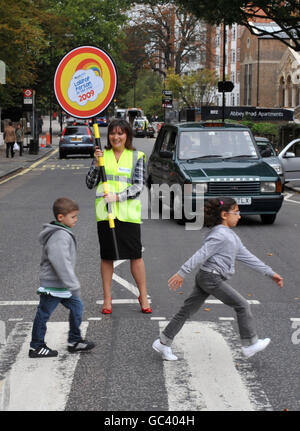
[[259, 65]]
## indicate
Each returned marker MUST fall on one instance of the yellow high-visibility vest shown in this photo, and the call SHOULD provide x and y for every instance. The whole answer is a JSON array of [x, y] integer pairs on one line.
[[119, 177]]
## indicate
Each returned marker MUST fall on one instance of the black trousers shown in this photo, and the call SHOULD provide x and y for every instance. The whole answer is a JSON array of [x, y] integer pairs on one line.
[[10, 145]]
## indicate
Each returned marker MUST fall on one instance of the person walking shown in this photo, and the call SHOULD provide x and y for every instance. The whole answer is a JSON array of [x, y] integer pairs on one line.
[[9, 139], [216, 259], [58, 281], [20, 137], [125, 171]]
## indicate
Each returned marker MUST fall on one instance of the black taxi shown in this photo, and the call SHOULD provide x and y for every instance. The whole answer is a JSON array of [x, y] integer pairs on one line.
[[209, 160]]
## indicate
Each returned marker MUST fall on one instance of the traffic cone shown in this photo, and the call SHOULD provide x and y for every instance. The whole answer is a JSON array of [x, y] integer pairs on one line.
[[42, 141], [47, 139]]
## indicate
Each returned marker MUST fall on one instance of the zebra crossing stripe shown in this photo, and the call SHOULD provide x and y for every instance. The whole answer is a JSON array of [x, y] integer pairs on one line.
[[209, 380], [37, 384]]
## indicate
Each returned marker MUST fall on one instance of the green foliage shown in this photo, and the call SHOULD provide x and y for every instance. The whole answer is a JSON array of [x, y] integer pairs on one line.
[[146, 95], [269, 130], [192, 90], [35, 35]]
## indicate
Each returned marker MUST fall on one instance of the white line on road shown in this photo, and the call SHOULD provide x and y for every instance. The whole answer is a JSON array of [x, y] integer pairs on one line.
[[205, 377], [287, 198], [40, 384], [122, 301], [2, 332]]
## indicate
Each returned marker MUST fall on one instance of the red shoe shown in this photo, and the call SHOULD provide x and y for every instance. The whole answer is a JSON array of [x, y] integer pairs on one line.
[[145, 310], [107, 310]]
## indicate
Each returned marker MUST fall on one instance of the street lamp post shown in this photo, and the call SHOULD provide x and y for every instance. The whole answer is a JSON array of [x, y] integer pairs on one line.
[[50, 93]]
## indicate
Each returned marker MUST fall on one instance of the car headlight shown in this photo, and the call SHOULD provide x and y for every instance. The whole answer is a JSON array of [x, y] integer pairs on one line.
[[267, 187], [277, 168]]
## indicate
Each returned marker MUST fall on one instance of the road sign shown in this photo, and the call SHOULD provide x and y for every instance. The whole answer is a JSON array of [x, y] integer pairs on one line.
[[167, 92], [28, 96], [85, 81], [225, 86]]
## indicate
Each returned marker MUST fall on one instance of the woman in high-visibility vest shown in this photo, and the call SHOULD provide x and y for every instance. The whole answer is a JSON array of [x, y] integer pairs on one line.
[[125, 173]]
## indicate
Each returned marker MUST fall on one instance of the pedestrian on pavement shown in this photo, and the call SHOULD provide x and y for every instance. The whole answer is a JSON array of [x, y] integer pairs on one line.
[[9, 139], [20, 137], [125, 171], [216, 259], [58, 281]]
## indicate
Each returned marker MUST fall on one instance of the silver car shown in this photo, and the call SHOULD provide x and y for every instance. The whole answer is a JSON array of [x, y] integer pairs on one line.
[[77, 140], [289, 157], [269, 155]]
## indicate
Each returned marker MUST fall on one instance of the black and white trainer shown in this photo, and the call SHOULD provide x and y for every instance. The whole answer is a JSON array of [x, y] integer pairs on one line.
[[42, 352], [80, 346]]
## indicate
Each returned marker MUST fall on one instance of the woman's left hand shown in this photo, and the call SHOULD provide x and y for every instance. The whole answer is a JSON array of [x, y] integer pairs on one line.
[[111, 197]]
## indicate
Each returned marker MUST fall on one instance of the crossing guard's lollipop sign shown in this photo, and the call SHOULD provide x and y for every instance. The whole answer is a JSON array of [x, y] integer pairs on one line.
[[85, 82]]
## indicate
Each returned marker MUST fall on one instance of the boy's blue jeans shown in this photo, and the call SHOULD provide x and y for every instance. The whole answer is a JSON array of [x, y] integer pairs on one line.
[[46, 307]]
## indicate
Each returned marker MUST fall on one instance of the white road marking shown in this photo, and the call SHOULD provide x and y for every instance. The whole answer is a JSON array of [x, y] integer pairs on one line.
[[2, 332], [40, 384], [19, 302], [217, 301], [287, 198], [129, 286], [122, 301], [205, 376], [157, 318], [295, 319], [226, 318]]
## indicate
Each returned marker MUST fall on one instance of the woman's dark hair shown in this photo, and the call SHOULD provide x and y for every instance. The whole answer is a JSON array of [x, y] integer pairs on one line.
[[213, 209], [125, 127]]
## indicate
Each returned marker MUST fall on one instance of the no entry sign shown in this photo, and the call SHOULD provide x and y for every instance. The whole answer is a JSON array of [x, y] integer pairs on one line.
[[85, 81]]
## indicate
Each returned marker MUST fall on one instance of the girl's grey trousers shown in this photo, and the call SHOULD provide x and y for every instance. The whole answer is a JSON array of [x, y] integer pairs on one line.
[[209, 283]]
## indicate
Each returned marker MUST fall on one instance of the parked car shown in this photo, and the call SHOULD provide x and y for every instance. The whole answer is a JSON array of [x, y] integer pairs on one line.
[[290, 160], [223, 159], [139, 128], [269, 155], [76, 140]]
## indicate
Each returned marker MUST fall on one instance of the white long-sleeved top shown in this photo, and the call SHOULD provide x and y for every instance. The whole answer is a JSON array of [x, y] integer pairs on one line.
[[221, 248]]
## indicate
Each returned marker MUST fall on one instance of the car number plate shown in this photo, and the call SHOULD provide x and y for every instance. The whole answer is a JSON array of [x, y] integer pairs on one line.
[[243, 201], [76, 140]]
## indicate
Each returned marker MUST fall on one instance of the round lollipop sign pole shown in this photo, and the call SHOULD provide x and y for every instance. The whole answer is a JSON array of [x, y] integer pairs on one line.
[[85, 83]]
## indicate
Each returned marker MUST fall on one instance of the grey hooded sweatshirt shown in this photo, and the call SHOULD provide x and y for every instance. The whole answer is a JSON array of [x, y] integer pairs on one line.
[[58, 259]]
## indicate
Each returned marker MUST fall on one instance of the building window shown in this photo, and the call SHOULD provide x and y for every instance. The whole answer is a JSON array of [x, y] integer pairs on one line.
[[217, 60], [238, 77], [233, 32], [233, 56], [238, 54], [248, 84]]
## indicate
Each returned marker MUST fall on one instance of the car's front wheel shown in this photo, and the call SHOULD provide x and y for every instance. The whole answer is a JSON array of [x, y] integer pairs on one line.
[[62, 155], [268, 218]]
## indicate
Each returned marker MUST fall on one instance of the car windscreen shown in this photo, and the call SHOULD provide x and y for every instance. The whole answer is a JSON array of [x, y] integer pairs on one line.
[[75, 131], [216, 143], [266, 149]]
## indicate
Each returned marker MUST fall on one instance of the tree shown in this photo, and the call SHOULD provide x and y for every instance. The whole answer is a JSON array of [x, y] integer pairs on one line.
[[174, 35], [193, 90], [286, 14]]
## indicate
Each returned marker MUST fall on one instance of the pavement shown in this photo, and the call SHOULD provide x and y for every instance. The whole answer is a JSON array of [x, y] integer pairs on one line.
[[9, 166]]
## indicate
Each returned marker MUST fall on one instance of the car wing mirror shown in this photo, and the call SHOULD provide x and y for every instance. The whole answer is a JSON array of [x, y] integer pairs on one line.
[[289, 155]]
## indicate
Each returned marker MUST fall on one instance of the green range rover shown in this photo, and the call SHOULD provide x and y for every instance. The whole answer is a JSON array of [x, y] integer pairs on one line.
[[217, 159]]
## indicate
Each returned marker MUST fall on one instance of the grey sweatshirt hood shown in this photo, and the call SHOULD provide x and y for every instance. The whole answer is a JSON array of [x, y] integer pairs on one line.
[[49, 229]]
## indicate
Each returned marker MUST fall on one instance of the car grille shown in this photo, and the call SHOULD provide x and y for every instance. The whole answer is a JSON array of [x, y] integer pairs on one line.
[[234, 188]]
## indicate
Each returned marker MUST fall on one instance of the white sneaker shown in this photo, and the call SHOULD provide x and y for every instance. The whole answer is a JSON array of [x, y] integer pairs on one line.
[[256, 347], [166, 351]]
